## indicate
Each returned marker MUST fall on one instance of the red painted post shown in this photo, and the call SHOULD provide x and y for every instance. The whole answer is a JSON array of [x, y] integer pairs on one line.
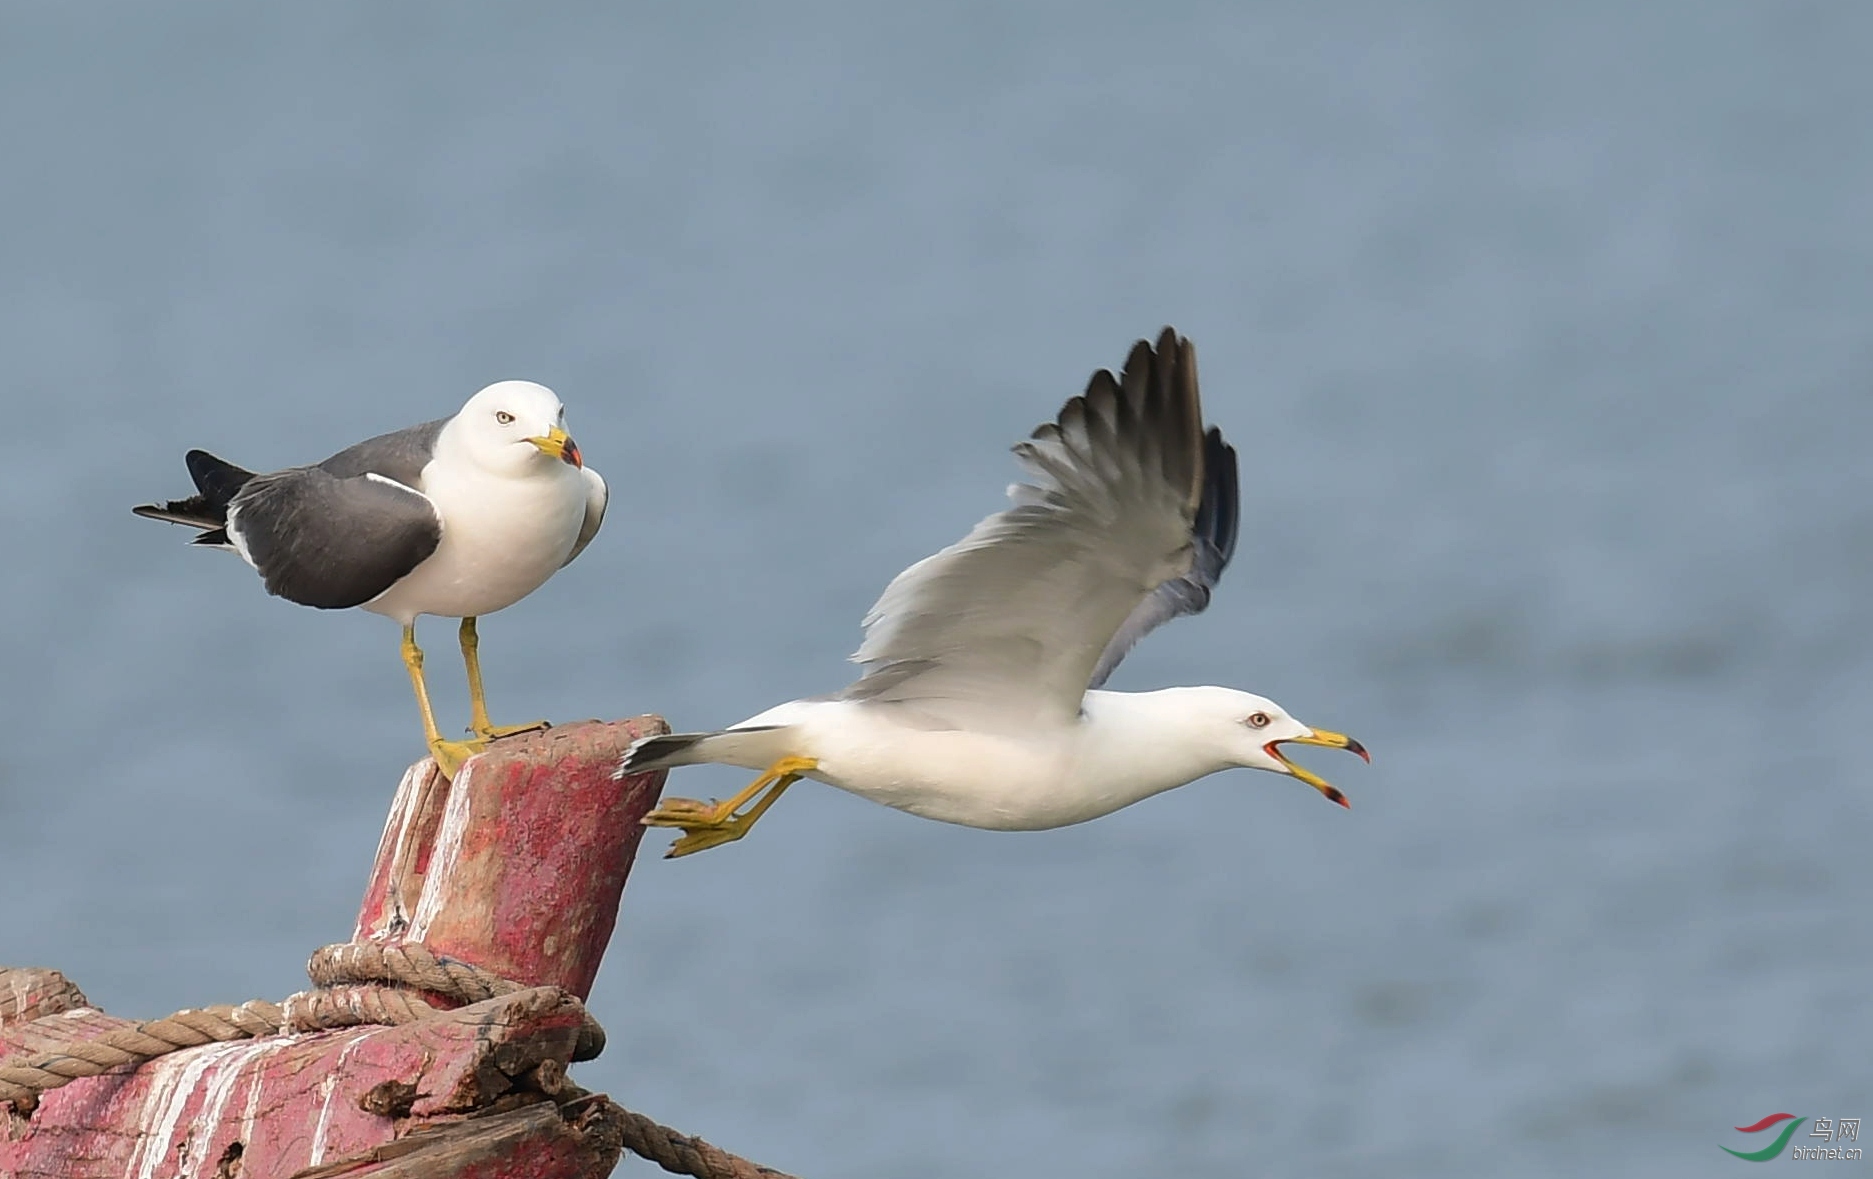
[[517, 867]]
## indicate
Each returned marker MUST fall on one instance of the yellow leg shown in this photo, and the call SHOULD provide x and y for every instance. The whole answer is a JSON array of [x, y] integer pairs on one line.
[[705, 825], [449, 755], [477, 701]]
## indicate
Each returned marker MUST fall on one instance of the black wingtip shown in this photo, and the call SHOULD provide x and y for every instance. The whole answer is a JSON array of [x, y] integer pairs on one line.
[[216, 478], [217, 481], [1220, 515]]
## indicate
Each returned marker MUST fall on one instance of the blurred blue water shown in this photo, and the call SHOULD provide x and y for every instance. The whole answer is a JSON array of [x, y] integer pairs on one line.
[[1543, 337]]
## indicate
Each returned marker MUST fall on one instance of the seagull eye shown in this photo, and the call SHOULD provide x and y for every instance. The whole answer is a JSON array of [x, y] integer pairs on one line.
[[1257, 720], [503, 417]]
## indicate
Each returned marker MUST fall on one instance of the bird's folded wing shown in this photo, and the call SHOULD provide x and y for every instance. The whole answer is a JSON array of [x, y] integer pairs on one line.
[[399, 455], [1006, 627], [596, 497], [330, 542]]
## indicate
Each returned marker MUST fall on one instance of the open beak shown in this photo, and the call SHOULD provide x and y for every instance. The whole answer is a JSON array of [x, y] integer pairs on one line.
[[1329, 740], [560, 445]]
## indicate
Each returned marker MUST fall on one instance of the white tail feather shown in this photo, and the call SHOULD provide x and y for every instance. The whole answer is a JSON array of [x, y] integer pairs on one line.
[[752, 748]]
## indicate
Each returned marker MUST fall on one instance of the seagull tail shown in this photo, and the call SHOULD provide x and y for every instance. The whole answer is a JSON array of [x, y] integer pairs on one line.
[[216, 482], [751, 748]]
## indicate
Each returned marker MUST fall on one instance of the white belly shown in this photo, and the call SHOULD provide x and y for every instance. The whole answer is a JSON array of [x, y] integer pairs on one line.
[[1117, 752], [501, 540], [973, 779]]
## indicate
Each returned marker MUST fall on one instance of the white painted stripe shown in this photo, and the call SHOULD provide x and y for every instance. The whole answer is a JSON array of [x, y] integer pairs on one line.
[[443, 857], [18, 988], [402, 822], [252, 1109], [330, 1089], [220, 1089], [176, 1079]]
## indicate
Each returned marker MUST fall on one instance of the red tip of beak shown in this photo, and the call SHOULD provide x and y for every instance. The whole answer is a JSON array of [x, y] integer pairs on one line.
[[1337, 799], [1353, 746], [573, 456]]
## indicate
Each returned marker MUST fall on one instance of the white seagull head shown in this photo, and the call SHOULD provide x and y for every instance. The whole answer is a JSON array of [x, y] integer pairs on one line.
[[512, 427], [1249, 730]]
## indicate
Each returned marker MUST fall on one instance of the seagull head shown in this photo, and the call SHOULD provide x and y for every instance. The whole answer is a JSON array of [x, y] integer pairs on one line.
[[1255, 728], [514, 426]]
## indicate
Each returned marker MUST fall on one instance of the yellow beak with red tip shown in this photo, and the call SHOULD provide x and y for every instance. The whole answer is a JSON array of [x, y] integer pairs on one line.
[[1329, 740], [559, 445]]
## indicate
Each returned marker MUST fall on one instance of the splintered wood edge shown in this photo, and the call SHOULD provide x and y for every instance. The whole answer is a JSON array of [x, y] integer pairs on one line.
[[28, 992], [512, 1035], [575, 1141]]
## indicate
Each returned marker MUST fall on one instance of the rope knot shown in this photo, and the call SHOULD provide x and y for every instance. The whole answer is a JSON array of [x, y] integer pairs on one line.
[[343, 972]]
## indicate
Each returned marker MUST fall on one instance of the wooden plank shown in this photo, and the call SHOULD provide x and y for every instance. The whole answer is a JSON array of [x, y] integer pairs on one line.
[[578, 1141], [287, 1103], [26, 993]]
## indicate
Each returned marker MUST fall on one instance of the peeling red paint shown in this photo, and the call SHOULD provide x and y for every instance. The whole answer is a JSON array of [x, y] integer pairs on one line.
[[539, 842]]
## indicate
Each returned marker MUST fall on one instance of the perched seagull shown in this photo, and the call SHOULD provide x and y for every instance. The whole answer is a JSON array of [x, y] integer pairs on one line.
[[457, 517], [980, 700]]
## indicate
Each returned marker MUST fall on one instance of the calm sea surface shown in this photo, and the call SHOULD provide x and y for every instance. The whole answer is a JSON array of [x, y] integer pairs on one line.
[[1544, 336]]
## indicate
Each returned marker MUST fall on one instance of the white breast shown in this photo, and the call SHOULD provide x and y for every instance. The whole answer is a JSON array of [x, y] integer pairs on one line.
[[502, 538]]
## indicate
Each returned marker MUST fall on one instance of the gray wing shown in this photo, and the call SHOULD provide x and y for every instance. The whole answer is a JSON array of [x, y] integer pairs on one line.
[[596, 497], [400, 455], [1213, 534], [1008, 626], [328, 541]]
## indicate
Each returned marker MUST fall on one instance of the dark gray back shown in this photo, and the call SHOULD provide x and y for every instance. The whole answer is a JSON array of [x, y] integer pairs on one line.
[[400, 455]]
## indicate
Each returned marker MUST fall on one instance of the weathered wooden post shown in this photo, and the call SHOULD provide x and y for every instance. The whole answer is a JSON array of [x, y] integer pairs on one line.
[[520, 872], [516, 868]]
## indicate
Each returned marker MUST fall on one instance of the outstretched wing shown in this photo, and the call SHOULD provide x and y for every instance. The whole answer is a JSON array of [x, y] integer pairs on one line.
[[1214, 536], [1008, 626]]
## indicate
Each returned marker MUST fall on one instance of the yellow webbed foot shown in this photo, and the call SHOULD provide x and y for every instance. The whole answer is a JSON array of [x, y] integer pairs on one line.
[[682, 812], [450, 755], [706, 825], [704, 838], [488, 732]]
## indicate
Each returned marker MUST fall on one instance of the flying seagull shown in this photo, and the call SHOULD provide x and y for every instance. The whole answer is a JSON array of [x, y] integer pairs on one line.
[[980, 703], [457, 517]]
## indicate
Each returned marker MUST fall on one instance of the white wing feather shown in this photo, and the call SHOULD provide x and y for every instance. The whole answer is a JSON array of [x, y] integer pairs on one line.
[[1006, 627]]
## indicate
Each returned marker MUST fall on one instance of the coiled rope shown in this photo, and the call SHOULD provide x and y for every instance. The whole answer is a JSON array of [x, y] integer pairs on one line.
[[355, 984]]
